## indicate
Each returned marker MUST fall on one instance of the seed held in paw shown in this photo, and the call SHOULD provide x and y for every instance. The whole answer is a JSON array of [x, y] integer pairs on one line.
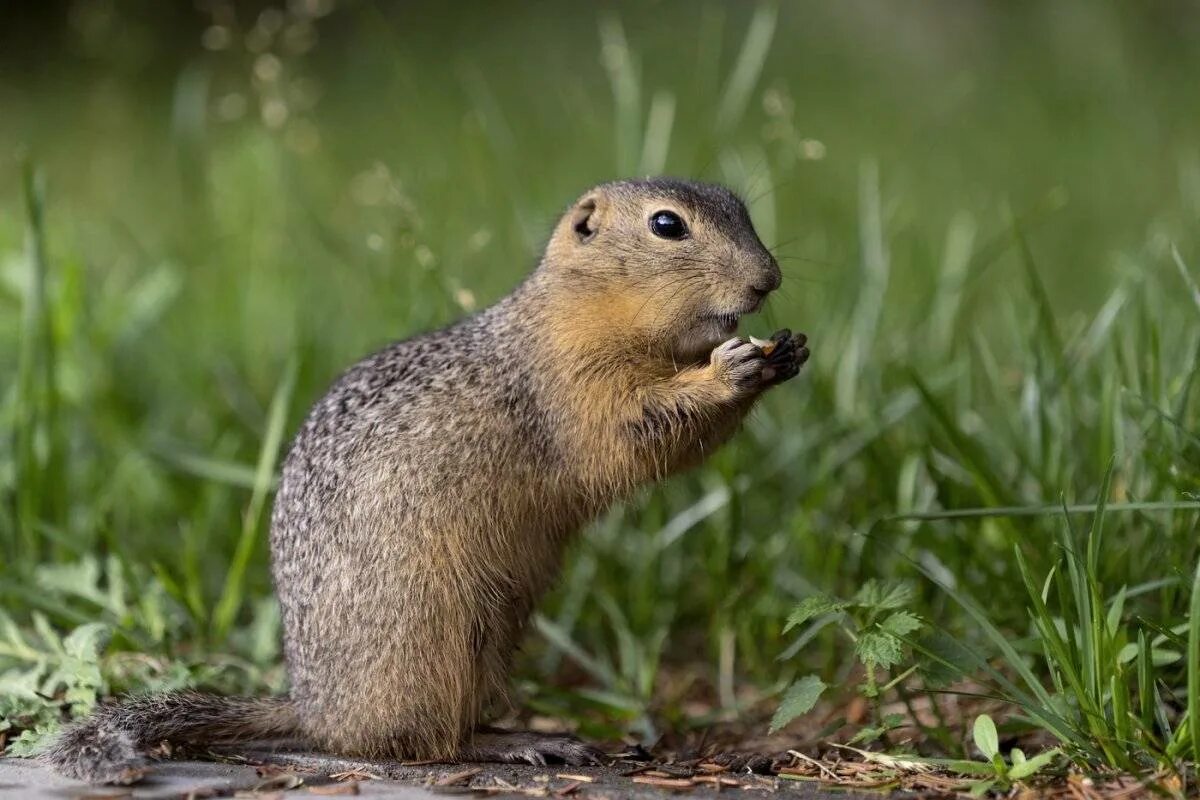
[[766, 345]]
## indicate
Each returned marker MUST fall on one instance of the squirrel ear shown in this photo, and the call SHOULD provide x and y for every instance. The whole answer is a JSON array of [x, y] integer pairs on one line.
[[585, 219]]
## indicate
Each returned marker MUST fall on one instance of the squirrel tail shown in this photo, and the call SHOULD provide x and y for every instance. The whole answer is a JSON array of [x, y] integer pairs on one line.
[[110, 745]]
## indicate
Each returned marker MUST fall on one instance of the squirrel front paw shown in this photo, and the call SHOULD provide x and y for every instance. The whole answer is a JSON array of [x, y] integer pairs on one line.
[[748, 366], [787, 353], [741, 365]]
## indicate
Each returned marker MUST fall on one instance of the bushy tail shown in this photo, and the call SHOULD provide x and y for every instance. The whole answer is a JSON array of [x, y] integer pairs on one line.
[[110, 746]]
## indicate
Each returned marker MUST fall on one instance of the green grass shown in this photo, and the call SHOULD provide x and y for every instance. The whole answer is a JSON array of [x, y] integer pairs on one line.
[[986, 219]]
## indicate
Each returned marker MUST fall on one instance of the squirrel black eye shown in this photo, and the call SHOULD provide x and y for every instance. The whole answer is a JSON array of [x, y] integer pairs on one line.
[[668, 225]]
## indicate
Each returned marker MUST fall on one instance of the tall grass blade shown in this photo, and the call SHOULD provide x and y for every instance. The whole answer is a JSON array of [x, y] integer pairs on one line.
[[1078, 601], [230, 601], [869, 306], [1060, 656], [624, 76], [1096, 614], [36, 402], [1042, 511], [657, 141], [947, 299], [1188, 280], [1041, 298], [993, 489], [1193, 666], [1145, 679], [990, 252], [210, 468], [561, 639], [750, 60]]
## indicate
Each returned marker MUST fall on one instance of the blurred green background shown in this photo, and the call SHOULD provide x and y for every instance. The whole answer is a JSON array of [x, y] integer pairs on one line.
[[975, 206]]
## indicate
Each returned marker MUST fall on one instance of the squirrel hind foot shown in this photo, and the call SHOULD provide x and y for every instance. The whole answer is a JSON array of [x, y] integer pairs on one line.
[[527, 747], [93, 753]]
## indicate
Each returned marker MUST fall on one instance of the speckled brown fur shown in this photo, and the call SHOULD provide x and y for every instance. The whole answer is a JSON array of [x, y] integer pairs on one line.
[[427, 499]]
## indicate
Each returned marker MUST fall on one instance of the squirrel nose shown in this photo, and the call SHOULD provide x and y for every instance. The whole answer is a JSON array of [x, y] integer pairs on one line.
[[770, 277], [767, 282]]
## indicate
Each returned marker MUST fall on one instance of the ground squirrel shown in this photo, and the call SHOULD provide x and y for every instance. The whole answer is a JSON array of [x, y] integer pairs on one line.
[[427, 499]]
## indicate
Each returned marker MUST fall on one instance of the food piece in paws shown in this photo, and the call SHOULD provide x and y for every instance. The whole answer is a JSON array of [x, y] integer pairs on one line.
[[766, 345]]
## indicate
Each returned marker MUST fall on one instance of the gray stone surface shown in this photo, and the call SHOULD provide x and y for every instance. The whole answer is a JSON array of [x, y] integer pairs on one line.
[[22, 778], [291, 774]]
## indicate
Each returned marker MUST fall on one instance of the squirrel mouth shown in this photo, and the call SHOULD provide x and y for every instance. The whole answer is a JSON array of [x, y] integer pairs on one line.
[[728, 322]]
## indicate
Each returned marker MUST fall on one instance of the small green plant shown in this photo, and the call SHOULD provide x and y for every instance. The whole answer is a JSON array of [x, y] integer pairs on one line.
[[45, 673], [877, 622], [994, 771], [979, 777], [48, 676]]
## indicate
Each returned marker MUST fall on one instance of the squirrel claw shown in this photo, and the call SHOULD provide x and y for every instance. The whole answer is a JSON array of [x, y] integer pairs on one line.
[[519, 747], [786, 357]]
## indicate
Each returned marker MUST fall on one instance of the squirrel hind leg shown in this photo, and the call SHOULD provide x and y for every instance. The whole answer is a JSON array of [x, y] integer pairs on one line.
[[527, 747], [95, 753]]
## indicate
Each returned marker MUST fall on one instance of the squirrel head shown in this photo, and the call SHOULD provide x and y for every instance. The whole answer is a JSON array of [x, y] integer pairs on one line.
[[673, 263]]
